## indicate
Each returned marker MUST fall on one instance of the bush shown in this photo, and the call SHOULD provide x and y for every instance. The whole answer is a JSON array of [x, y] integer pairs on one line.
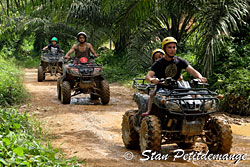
[[11, 88], [232, 76], [115, 67], [20, 147], [237, 91], [29, 62]]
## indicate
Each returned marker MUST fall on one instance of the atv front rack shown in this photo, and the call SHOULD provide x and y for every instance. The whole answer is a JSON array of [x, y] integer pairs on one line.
[[86, 65], [177, 96], [139, 83]]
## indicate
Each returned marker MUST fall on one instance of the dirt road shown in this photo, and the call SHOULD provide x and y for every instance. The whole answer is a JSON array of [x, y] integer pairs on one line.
[[93, 131]]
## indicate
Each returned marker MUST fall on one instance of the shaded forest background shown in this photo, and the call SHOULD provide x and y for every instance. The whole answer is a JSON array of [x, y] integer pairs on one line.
[[214, 36]]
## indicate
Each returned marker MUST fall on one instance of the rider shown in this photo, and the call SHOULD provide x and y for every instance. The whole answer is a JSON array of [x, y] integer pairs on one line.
[[53, 47], [157, 54], [170, 66], [82, 49]]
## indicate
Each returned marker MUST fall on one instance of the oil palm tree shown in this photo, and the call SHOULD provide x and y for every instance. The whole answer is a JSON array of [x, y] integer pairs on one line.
[[208, 20]]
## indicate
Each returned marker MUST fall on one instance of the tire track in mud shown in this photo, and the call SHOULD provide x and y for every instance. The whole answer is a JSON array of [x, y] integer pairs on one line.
[[92, 131]]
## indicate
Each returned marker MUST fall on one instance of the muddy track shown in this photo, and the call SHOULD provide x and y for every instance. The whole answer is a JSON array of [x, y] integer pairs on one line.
[[92, 131]]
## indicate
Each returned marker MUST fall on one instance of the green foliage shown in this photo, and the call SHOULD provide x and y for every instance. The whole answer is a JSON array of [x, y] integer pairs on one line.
[[207, 20], [232, 78], [27, 57], [237, 91], [115, 69], [237, 82], [191, 58], [124, 21], [29, 61], [234, 57], [19, 145], [218, 20], [11, 88]]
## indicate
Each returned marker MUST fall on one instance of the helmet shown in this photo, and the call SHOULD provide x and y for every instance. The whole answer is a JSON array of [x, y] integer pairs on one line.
[[158, 51], [54, 39], [81, 33], [168, 40]]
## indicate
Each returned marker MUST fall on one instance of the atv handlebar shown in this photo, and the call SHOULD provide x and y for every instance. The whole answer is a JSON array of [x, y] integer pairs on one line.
[[170, 81], [198, 82], [141, 85], [49, 52]]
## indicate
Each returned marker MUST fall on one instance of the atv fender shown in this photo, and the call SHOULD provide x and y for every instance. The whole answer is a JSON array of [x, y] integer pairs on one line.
[[142, 103]]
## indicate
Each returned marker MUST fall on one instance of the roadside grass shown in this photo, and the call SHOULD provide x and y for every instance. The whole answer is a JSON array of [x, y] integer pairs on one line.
[[11, 87], [21, 143]]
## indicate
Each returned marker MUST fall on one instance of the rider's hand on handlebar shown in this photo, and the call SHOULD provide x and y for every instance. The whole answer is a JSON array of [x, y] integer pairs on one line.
[[154, 80], [66, 57], [203, 79], [93, 56]]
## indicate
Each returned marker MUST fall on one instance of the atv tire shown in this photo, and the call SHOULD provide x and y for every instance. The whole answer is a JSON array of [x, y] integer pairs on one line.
[[65, 92], [40, 76], [58, 88], [129, 136], [105, 94], [150, 134], [220, 136]]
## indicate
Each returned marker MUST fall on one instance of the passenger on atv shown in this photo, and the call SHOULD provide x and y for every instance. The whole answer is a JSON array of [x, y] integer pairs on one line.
[[157, 54], [169, 66]]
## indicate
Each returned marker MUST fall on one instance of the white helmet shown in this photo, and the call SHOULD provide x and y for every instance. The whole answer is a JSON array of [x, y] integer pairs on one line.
[[81, 33]]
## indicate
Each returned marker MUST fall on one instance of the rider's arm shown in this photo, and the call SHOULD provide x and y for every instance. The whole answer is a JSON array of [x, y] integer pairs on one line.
[[150, 77], [46, 47], [92, 50], [195, 73], [67, 56], [60, 50]]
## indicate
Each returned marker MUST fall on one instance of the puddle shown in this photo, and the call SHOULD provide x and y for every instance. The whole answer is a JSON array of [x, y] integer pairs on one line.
[[84, 101]]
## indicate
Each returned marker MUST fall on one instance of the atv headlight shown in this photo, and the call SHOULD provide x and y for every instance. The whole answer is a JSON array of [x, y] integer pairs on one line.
[[172, 106], [210, 105], [97, 71], [74, 71]]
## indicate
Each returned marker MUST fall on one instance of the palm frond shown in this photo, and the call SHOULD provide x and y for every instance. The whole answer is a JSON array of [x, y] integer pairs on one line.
[[218, 19]]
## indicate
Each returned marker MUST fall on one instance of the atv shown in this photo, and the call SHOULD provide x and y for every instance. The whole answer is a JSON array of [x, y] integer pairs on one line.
[[50, 63], [182, 113], [83, 76]]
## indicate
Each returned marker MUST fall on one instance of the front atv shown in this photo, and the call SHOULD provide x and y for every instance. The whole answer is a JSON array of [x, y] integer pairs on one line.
[[180, 114], [50, 63], [85, 77]]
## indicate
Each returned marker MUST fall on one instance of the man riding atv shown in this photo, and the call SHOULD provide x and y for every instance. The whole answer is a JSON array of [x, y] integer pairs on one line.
[[82, 49], [169, 66], [181, 112], [82, 75]]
